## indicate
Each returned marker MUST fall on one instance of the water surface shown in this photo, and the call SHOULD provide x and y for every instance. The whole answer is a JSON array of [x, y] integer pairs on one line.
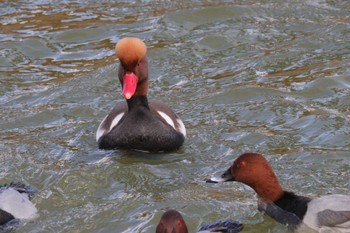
[[261, 76]]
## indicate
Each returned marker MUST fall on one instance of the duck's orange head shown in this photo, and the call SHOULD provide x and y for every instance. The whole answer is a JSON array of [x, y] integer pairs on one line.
[[131, 52], [171, 222], [254, 170]]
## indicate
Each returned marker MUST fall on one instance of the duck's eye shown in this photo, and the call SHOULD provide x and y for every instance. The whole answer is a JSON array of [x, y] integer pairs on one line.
[[241, 164]]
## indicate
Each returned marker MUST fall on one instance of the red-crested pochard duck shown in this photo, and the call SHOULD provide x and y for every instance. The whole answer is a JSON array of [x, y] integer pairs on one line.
[[330, 212], [172, 222], [138, 123], [15, 202]]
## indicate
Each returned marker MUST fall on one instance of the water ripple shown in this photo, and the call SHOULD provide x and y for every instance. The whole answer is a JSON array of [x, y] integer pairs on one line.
[[245, 76]]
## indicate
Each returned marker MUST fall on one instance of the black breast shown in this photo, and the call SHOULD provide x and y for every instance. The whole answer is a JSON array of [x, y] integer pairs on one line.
[[293, 203], [5, 217], [142, 129]]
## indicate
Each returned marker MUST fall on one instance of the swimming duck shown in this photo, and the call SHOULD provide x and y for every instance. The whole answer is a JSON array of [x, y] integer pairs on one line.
[[15, 202], [331, 212], [138, 123], [172, 222]]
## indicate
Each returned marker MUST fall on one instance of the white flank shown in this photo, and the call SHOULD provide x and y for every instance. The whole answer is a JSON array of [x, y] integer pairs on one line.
[[182, 127], [17, 204], [335, 202], [101, 131], [167, 119], [116, 121]]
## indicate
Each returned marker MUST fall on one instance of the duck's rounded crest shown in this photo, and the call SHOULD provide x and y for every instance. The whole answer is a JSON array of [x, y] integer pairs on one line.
[[130, 50]]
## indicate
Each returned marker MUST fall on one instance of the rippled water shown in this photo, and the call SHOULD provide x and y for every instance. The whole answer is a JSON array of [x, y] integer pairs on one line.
[[263, 76]]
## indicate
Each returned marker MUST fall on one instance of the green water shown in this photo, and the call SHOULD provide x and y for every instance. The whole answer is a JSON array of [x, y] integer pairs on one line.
[[267, 76]]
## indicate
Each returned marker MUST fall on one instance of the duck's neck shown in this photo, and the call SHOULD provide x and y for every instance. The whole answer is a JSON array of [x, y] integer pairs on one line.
[[137, 102], [293, 203], [271, 190]]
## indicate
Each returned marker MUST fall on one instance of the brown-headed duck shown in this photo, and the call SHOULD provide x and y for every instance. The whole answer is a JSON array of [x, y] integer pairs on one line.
[[172, 222], [330, 212]]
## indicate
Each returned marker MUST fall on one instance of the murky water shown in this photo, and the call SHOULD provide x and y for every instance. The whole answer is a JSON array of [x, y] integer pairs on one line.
[[263, 76]]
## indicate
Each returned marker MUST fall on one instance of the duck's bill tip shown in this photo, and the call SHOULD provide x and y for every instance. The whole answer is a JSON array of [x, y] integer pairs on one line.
[[215, 180], [127, 95], [210, 181], [225, 177]]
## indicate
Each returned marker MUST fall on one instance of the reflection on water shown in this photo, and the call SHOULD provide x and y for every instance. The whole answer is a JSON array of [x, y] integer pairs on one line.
[[245, 76]]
